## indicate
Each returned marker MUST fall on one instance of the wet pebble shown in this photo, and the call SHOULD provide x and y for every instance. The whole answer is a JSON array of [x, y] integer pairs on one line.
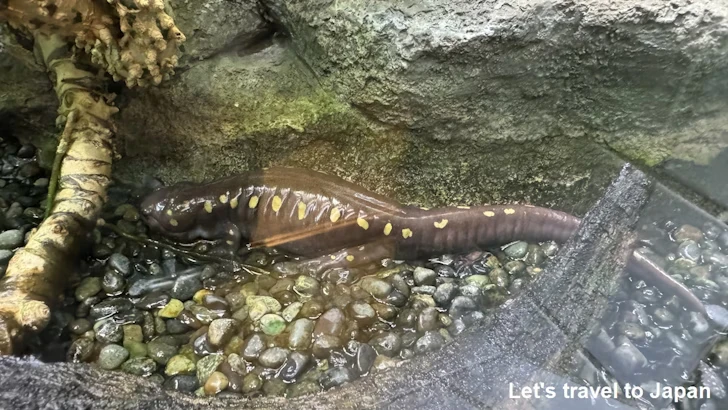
[[424, 277], [88, 287], [185, 287], [108, 332], [253, 347], [294, 366], [139, 366], [182, 382], [207, 365], [516, 250], [112, 356], [161, 352], [273, 357], [445, 293], [79, 326], [387, 344], [299, 337], [690, 250], [461, 305], [330, 323], [272, 324], [717, 315], [113, 283], [364, 359], [336, 377], [216, 383], [220, 331], [688, 232], [180, 365], [120, 263], [80, 350], [628, 358], [376, 287], [172, 309], [430, 341], [251, 382]]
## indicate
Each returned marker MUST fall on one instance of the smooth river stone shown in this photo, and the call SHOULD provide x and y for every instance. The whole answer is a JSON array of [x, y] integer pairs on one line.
[[330, 323], [299, 337]]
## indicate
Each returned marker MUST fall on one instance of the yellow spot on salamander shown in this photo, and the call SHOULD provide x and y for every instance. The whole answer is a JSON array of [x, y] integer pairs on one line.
[[489, 214], [441, 224], [333, 257], [406, 233], [276, 203], [231, 232], [424, 208], [335, 214], [509, 211], [350, 258], [229, 242], [173, 222], [301, 210], [253, 201], [463, 207], [387, 228], [208, 207], [169, 212], [362, 222], [223, 198], [234, 203]]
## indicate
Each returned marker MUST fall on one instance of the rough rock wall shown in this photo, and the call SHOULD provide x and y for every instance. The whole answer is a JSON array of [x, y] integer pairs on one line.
[[631, 74]]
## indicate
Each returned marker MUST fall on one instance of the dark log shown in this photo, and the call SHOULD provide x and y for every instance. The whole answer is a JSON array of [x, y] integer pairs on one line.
[[532, 338]]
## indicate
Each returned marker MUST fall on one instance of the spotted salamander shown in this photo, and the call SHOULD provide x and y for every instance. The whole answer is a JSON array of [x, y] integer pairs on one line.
[[334, 222]]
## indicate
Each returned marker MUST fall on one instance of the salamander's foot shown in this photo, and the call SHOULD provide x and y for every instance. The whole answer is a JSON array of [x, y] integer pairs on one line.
[[345, 258], [290, 268]]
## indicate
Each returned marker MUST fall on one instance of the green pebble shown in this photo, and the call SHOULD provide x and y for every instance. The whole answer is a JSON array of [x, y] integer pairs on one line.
[[172, 309], [249, 289], [291, 311], [303, 388], [235, 345], [257, 310], [480, 281], [161, 352], [274, 387], [140, 366], [241, 314], [251, 383], [112, 356], [207, 365], [272, 304], [272, 324], [87, 288], [133, 333], [179, 364], [306, 286], [136, 349]]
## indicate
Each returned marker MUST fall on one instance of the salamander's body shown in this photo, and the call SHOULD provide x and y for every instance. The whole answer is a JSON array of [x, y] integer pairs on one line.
[[310, 213]]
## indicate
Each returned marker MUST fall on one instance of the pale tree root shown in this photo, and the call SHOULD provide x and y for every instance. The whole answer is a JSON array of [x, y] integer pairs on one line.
[[37, 273]]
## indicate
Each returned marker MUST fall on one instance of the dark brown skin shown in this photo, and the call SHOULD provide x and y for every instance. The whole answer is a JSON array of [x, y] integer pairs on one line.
[[315, 215]]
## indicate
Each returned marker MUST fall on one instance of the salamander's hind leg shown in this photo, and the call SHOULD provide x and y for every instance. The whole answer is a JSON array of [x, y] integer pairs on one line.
[[345, 258], [230, 244]]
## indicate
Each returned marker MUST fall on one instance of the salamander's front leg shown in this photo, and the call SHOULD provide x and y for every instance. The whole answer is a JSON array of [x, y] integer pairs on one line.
[[350, 257]]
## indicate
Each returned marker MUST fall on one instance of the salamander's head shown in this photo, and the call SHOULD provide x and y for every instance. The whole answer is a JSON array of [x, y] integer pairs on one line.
[[168, 212]]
